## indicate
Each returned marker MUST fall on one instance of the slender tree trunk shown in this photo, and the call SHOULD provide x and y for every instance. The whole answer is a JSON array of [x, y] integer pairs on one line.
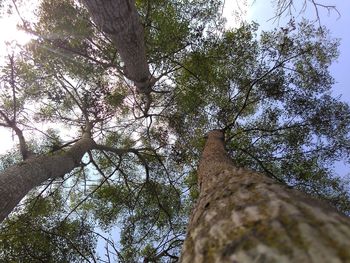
[[18, 180], [120, 20], [242, 216]]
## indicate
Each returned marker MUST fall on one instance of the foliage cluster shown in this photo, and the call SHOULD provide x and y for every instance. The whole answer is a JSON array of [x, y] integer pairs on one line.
[[270, 93]]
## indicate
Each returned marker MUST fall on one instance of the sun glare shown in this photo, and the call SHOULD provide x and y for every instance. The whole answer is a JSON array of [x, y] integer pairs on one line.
[[11, 35]]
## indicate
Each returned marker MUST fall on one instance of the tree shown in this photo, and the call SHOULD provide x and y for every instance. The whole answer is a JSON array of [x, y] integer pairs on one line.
[[242, 216], [269, 96], [121, 21], [38, 234], [288, 6]]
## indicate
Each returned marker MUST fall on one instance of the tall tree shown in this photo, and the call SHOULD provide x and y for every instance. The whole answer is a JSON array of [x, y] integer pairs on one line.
[[120, 20], [18, 180], [57, 160], [243, 216], [270, 96]]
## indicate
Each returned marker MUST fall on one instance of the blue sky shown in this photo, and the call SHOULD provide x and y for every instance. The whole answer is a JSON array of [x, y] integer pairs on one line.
[[339, 27], [262, 11]]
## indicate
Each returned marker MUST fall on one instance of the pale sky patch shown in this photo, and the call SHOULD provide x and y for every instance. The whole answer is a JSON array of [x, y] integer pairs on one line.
[[6, 142], [235, 11], [10, 37], [10, 33]]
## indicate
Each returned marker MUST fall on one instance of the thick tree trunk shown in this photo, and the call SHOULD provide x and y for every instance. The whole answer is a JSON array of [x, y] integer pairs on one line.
[[18, 180], [242, 216], [120, 20]]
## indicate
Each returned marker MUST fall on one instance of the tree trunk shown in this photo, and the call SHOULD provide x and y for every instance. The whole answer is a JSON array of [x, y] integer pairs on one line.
[[242, 216], [18, 180], [120, 20]]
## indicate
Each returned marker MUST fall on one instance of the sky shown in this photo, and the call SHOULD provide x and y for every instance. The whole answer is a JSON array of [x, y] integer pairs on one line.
[[261, 11], [338, 24], [9, 36]]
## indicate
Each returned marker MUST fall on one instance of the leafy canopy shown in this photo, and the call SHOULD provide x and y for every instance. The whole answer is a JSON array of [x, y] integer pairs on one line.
[[270, 93]]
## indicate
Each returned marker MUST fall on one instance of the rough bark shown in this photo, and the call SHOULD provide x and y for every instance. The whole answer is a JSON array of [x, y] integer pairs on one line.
[[18, 180], [120, 20], [242, 216]]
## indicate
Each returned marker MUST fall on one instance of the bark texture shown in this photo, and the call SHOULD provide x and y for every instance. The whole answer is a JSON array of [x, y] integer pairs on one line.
[[18, 180], [242, 216], [120, 20]]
